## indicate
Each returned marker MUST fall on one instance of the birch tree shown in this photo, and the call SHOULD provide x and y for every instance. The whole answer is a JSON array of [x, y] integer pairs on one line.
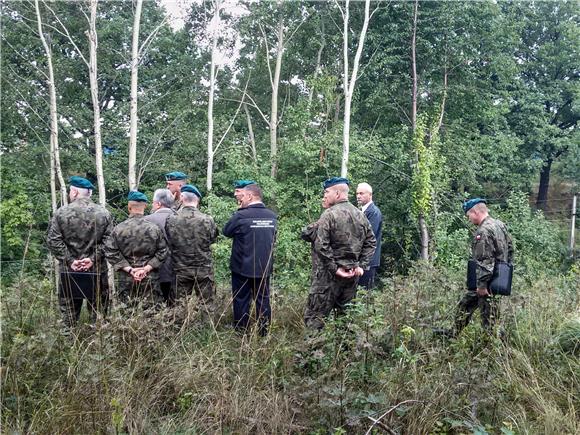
[[92, 64], [132, 174], [350, 77], [55, 167]]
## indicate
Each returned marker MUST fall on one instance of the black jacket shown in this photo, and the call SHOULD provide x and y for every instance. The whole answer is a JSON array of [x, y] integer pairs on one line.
[[253, 229], [375, 218]]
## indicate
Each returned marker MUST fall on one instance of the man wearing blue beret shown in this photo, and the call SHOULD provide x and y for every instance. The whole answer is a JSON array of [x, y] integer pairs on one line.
[[239, 185], [491, 243], [174, 180], [253, 228], [137, 249], [343, 246], [76, 237], [190, 234]]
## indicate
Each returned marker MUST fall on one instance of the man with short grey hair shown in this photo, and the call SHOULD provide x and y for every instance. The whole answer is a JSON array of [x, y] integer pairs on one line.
[[364, 198], [190, 235], [161, 207], [76, 237]]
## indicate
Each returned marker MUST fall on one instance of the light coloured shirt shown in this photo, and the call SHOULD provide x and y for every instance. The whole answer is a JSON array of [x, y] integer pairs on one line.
[[367, 205]]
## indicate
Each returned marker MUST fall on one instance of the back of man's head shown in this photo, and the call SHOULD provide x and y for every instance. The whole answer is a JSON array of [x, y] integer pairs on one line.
[[255, 191], [164, 197], [189, 199], [81, 192]]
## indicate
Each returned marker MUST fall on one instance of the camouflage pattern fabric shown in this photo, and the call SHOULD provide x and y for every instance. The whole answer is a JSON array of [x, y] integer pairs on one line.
[[177, 205], [491, 243], [79, 230], [342, 237], [190, 234], [137, 243]]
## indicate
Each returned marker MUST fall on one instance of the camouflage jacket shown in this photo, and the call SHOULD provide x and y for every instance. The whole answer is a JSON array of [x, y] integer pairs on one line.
[[344, 238], [79, 230], [190, 234], [136, 243], [491, 243], [177, 205]]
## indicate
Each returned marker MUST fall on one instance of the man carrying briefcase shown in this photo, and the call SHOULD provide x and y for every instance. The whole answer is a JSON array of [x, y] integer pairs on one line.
[[491, 248]]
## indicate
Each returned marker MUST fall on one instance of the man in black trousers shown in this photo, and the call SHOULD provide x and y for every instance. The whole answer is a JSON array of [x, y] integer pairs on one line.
[[364, 197], [253, 228]]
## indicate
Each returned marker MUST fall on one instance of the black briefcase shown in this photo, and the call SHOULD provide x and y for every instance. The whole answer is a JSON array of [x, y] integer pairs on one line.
[[78, 285], [471, 276], [501, 282]]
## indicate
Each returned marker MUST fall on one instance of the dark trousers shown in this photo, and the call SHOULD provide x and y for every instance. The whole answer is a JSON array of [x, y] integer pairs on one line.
[[168, 290], [488, 308], [245, 290], [368, 278], [70, 307]]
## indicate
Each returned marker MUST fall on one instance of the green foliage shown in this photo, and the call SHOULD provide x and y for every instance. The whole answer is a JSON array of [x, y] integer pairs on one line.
[[538, 246], [421, 186]]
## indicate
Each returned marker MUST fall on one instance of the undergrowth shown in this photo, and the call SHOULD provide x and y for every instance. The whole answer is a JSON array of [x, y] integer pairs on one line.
[[377, 369]]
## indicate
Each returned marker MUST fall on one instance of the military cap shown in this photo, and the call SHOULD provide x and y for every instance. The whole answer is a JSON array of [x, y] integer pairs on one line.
[[81, 182], [334, 181], [137, 196], [191, 189], [240, 184], [172, 176], [468, 205]]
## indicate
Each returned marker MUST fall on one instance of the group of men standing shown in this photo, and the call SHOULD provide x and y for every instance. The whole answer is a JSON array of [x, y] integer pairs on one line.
[[166, 256]]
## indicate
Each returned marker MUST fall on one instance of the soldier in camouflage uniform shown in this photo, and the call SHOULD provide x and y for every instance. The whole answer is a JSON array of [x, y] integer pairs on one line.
[[190, 234], [491, 243], [174, 181], [343, 244], [76, 238], [136, 249]]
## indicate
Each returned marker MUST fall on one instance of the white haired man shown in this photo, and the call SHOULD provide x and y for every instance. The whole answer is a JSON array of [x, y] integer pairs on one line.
[[161, 207], [364, 198]]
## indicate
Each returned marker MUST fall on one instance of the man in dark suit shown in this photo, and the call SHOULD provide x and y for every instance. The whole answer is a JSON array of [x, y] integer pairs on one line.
[[253, 228], [161, 208], [364, 197]]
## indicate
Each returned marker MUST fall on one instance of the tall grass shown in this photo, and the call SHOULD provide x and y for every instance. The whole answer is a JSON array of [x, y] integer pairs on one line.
[[379, 366]]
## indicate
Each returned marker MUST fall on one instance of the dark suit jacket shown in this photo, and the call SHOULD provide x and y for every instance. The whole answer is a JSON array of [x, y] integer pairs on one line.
[[375, 218], [159, 218]]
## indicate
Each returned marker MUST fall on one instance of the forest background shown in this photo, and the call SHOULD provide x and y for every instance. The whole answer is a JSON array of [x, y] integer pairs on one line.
[[429, 102]]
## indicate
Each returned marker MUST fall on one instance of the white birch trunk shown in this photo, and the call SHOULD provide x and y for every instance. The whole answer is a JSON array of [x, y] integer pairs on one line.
[[93, 44], [132, 174], [349, 85], [55, 168], [274, 105], [212, 81]]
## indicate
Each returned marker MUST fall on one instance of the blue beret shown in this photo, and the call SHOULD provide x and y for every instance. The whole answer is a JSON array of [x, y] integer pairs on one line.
[[137, 196], [468, 205], [175, 176], [334, 181], [191, 189], [81, 182], [240, 184]]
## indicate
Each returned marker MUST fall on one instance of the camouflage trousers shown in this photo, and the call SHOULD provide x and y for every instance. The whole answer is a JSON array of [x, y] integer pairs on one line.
[[328, 293], [146, 292], [70, 308], [200, 281], [488, 308]]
